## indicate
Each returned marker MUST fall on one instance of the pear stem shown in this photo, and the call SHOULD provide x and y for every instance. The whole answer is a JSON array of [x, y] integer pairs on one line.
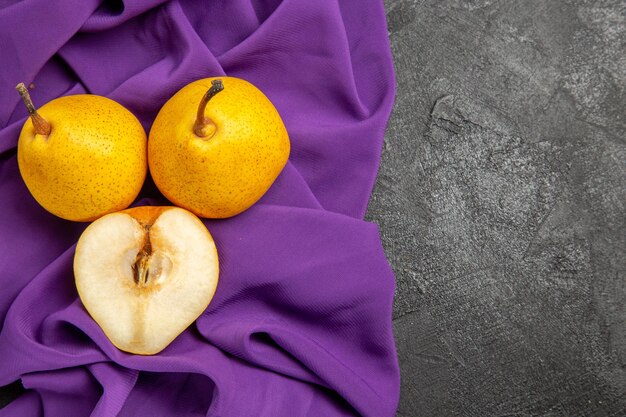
[[202, 124], [42, 126]]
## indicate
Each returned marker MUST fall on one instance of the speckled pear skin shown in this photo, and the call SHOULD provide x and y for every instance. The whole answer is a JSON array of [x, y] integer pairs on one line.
[[93, 162], [225, 174]]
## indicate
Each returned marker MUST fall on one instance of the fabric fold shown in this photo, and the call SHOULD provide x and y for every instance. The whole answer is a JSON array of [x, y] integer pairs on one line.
[[26, 48]]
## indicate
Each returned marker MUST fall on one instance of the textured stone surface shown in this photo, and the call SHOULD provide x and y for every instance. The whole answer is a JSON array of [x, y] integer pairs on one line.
[[501, 202]]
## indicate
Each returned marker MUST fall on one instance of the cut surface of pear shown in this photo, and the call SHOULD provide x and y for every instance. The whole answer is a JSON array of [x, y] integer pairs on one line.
[[145, 274]]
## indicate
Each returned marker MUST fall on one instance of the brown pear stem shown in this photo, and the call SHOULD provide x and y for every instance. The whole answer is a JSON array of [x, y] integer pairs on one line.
[[42, 126], [202, 122]]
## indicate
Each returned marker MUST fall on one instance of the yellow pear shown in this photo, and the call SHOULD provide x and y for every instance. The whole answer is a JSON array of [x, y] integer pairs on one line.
[[217, 146], [81, 156], [145, 274]]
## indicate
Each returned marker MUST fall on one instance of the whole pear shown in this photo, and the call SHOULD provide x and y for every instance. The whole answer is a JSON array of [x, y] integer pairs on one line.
[[217, 146], [81, 156]]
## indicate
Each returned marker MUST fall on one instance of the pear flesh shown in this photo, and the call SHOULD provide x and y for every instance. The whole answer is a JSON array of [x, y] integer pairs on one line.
[[145, 275]]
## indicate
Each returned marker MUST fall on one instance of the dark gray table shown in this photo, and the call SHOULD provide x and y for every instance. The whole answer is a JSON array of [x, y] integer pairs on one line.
[[501, 200]]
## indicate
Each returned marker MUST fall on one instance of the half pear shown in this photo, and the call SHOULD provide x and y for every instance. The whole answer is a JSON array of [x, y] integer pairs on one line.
[[145, 274]]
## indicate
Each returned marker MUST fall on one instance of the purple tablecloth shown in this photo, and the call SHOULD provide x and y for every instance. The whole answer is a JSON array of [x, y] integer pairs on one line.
[[301, 321]]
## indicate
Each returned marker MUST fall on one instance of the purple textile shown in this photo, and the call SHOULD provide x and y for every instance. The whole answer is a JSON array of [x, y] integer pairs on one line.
[[301, 321]]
